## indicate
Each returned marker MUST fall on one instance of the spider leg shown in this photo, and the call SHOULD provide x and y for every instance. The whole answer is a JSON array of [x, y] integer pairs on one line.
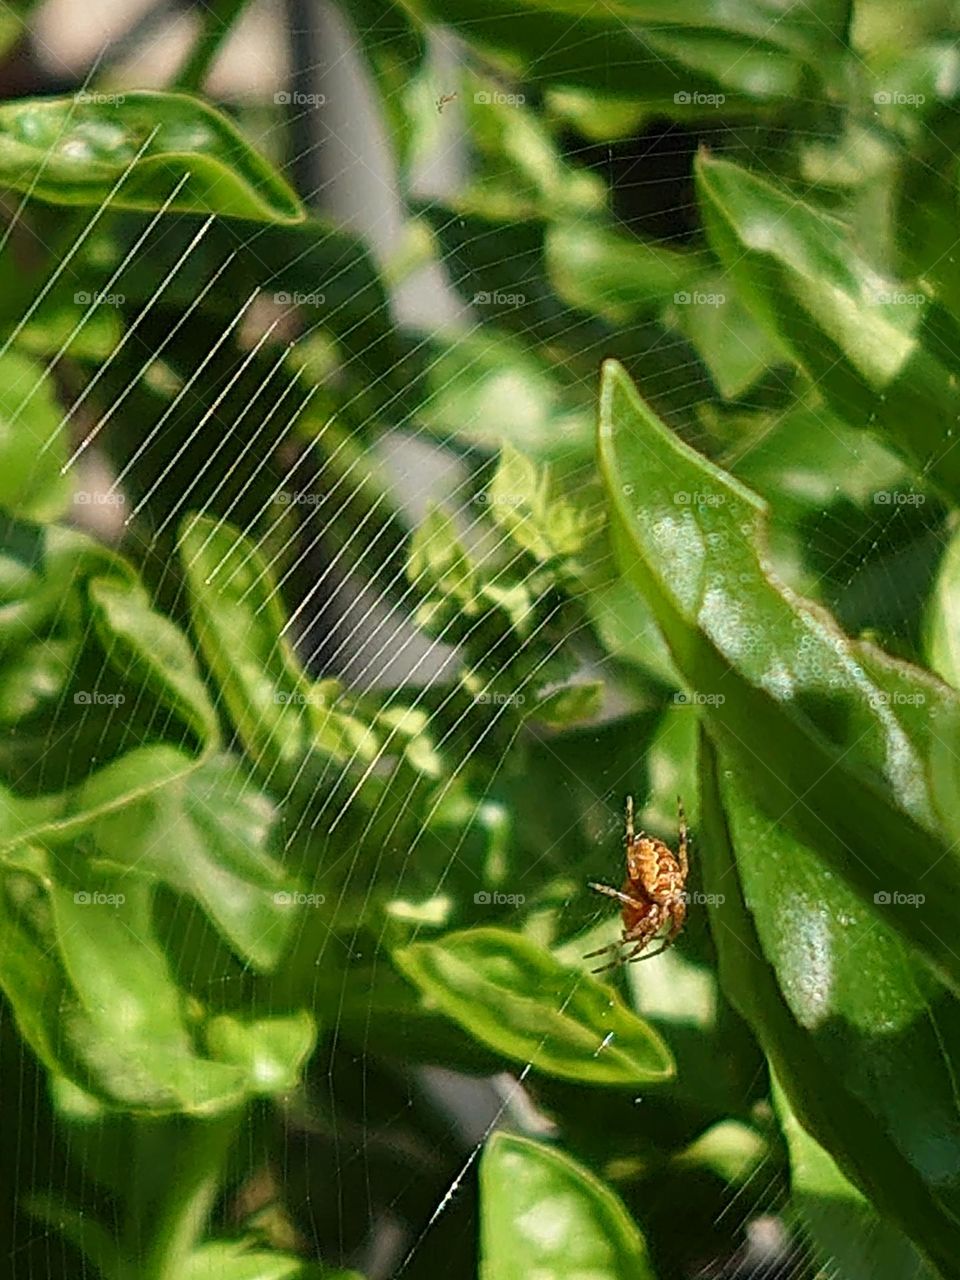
[[635, 953], [620, 959], [629, 836], [682, 850], [652, 954], [614, 946], [601, 951], [618, 894], [667, 941]]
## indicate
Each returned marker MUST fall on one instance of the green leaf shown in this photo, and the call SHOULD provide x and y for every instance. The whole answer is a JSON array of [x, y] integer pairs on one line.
[[523, 169], [523, 501], [853, 741], [842, 1225], [246, 1260], [395, 51], [628, 629], [542, 1214], [457, 589], [204, 833], [41, 571], [733, 346], [487, 387], [59, 816], [437, 556], [239, 621], [561, 707], [93, 995], [635, 50], [33, 441], [879, 1024], [873, 345], [272, 1051], [376, 1010], [13, 22], [137, 149], [144, 644], [35, 675], [942, 621], [514, 997], [85, 330], [93, 1239], [796, 1017], [616, 276]]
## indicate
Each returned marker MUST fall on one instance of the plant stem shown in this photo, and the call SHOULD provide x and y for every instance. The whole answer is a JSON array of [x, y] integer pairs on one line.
[[218, 19], [197, 1155]]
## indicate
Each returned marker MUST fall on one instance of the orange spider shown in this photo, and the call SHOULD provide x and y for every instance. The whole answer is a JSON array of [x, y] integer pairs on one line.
[[653, 893]]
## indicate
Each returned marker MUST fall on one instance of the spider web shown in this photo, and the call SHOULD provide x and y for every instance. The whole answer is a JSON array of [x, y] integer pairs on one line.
[[353, 620]]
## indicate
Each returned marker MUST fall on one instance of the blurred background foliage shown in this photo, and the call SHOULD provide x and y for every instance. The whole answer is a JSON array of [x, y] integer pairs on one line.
[[334, 635]]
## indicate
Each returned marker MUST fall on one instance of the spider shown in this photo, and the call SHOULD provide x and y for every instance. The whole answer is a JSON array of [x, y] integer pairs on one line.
[[443, 100], [653, 893]]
